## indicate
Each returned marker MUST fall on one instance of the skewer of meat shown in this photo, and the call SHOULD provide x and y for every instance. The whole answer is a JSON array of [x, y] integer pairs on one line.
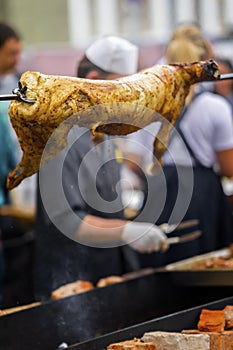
[[115, 107]]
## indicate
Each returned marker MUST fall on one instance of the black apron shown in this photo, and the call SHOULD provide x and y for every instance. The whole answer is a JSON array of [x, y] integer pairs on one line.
[[60, 260]]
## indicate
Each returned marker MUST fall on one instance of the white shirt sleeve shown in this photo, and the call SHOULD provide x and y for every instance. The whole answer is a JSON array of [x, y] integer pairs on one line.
[[223, 128], [208, 128]]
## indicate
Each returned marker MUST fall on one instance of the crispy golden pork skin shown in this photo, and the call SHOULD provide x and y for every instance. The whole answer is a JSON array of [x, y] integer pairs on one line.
[[115, 107]]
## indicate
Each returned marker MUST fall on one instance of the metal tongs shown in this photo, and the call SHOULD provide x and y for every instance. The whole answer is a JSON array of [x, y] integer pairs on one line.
[[168, 228], [17, 94]]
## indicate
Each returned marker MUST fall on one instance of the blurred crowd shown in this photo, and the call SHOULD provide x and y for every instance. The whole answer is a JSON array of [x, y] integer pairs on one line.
[[36, 257]]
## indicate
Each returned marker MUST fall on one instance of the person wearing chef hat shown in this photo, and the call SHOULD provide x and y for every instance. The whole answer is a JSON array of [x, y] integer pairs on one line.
[[103, 243], [108, 58]]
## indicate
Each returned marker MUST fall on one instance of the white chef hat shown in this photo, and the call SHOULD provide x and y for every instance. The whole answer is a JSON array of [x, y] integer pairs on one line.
[[114, 55]]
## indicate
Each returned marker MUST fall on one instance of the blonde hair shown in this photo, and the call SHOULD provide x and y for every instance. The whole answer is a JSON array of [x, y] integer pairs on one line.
[[188, 45], [185, 51], [193, 34], [182, 50]]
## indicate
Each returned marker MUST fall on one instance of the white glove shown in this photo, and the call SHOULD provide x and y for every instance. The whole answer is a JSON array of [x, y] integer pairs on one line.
[[144, 237]]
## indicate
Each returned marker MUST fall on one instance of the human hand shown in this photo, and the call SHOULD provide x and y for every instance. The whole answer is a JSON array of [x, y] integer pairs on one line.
[[144, 237]]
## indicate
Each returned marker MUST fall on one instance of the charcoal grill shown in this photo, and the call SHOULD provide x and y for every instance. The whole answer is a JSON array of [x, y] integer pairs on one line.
[[100, 311], [176, 322]]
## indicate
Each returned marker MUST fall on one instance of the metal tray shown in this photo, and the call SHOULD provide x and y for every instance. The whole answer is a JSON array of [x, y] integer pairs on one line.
[[184, 273], [175, 322], [100, 311]]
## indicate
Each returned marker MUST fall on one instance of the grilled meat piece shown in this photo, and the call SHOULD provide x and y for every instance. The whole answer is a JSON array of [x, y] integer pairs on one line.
[[72, 289], [135, 344], [115, 107], [215, 337], [211, 321], [178, 341], [106, 281], [228, 312], [219, 263]]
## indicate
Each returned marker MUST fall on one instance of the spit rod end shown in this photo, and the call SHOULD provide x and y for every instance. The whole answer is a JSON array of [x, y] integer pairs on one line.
[[20, 93]]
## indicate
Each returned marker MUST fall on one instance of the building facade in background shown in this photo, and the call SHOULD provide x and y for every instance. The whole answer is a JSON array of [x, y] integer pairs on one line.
[[78, 22]]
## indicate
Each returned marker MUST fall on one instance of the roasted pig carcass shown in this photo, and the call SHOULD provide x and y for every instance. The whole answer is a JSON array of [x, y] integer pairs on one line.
[[115, 107]]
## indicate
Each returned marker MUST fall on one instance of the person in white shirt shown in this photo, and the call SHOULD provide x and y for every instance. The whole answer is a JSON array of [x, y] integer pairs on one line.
[[199, 154]]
